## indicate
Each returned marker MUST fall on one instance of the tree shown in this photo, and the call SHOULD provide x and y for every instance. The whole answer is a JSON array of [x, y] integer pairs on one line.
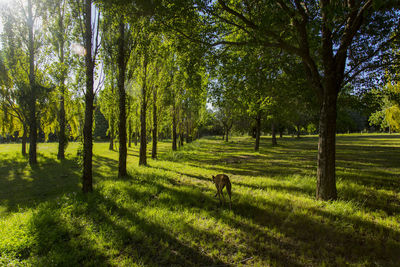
[[60, 39], [90, 37], [333, 39]]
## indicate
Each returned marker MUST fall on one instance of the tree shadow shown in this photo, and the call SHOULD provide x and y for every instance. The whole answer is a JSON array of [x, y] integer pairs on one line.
[[23, 187]]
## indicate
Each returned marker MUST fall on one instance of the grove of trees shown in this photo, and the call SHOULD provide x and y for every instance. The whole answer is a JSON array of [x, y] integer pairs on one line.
[[181, 69]]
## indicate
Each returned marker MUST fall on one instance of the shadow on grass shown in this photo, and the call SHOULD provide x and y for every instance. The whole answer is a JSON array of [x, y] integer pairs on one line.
[[22, 186]]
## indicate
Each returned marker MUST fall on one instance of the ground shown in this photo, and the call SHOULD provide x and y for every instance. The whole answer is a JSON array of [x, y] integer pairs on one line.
[[166, 214]]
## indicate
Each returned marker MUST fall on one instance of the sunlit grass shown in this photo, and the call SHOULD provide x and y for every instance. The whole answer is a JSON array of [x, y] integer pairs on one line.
[[166, 214]]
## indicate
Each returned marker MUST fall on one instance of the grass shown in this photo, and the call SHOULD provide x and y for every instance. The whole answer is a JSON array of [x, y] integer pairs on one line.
[[166, 214]]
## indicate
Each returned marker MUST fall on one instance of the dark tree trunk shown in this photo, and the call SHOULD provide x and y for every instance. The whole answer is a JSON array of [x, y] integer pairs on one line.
[[258, 131], [298, 131], [136, 127], [181, 139], [111, 145], [87, 183], [223, 135], [122, 100], [24, 135], [280, 133], [143, 110], [62, 138], [227, 135], [188, 139], [154, 149], [174, 135], [274, 142], [32, 96], [326, 179]]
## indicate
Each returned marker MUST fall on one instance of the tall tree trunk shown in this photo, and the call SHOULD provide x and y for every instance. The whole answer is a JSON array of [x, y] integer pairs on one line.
[[174, 148], [62, 138], [274, 142], [227, 135], [280, 133], [258, 131], [122, 100], [87, 183], [154, 149], [326, 178], [24, 135], [143, 110], [32, 96]]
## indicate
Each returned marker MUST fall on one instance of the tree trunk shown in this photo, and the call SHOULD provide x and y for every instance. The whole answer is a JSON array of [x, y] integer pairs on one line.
[[154, 149], [188, 139], [181, 138], [258, 131], [32, 84], [223, 135], [174, 136], [129, 133], [24, 135], [122, 100], [280, 133], [227, 135], [136, 127], [274, 142], [298, 131], [111, 145], [143, 110], [326, 178], [62, 138], [87, 183]]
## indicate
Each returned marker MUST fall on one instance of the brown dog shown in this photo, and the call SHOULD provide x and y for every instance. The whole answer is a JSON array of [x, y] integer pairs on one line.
[[220, 181]]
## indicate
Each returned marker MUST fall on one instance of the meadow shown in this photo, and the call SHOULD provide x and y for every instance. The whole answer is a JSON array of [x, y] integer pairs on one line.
[[166, 214]]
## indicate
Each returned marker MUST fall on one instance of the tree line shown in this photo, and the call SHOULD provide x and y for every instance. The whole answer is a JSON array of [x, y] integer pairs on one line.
[[151, 66]]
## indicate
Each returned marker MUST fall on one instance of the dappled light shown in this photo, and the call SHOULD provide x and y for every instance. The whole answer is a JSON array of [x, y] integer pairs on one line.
[[166, 213]]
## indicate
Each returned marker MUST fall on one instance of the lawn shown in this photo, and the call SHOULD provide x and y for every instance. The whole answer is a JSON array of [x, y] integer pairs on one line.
[[166, 214]]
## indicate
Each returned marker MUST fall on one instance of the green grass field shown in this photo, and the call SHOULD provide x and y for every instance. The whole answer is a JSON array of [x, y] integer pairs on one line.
[[166, 214]]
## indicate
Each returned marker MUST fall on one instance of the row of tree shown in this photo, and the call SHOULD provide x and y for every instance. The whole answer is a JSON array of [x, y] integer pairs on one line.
[[61, 60], [286, 62]]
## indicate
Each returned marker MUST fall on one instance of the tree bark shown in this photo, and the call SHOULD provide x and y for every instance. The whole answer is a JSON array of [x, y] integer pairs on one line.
[[24, 135], [326, 178], [227, 135], [87, 183], [136, 126], [122, 100], [143, 110], [273, 128], [298, 131], [154, 149], [111, 145], [174, 136], [32, 84], [62, 138], [258, 131]]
